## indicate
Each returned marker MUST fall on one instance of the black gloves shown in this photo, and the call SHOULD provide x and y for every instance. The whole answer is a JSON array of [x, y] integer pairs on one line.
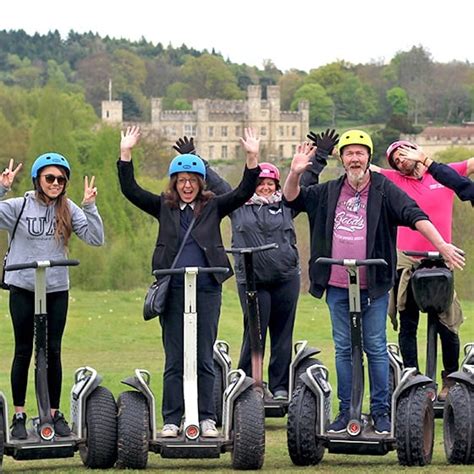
[[325, 143], [185, 145]]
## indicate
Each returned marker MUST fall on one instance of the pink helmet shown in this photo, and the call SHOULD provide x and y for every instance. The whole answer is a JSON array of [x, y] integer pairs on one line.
[[393, 147], [269, 171]]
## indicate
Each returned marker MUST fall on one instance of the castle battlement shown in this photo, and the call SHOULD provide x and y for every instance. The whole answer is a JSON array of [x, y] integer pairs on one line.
[[218, 124]]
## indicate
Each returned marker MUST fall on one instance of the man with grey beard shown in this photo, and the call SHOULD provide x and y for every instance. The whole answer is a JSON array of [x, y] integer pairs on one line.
[[356, 216]]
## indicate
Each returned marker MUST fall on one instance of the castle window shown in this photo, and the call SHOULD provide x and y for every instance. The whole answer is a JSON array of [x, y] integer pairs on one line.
[[224, 131], [281, 151], [189, 130], [237, 151], [293, 131], [237, 131], [210, 131], [282, 131], [263, 131], [211, 151], [293, 149], [107, 114], [224, 151]]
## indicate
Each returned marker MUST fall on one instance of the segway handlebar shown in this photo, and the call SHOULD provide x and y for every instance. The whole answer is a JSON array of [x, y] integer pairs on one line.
[[348, 262], [243, 250], [415, 253], [182, 270], [42, 264]]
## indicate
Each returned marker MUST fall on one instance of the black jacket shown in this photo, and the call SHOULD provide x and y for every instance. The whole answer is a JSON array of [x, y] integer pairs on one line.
[[254, 226], [206, 230], [387, 208]]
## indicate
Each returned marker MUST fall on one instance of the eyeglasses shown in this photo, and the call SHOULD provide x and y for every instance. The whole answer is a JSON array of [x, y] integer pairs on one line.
[[357, 154], [51, 178], [191, 181]]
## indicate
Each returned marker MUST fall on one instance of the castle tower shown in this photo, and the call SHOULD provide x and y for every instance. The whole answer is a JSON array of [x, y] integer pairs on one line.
[[112, 111], [254, 105], [156, 107]]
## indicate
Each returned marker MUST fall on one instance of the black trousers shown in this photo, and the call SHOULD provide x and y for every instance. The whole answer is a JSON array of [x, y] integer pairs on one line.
[[277, 307], [22, 310], [208, 309], [409, 319]]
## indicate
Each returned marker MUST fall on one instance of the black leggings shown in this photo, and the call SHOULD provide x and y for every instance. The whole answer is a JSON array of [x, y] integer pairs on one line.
[[22, 309], [407, 339]]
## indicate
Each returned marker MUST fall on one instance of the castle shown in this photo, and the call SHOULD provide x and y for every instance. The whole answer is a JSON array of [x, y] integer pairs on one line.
[[218, 124]]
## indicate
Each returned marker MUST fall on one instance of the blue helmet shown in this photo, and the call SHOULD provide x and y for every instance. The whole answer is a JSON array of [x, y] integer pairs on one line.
[[187, 164], [50, 159]]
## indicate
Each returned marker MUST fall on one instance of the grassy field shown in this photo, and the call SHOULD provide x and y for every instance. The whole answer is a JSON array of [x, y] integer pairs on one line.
[[105, 330]]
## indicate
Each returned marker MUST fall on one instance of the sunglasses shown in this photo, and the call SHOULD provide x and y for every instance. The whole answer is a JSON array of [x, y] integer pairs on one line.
[[50, 179]]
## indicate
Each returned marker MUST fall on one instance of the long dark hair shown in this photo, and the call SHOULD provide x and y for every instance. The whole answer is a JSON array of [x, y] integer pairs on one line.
[[62, 211], [203, 196]]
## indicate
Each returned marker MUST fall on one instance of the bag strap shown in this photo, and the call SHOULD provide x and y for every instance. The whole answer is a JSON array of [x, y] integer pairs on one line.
[[14, 229], [186, 235]]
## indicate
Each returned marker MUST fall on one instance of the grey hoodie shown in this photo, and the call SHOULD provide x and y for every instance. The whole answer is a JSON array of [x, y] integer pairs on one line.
[[34, 238]]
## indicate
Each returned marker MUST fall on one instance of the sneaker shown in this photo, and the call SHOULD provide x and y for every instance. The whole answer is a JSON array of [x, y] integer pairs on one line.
[[280, 395], [18, 428], [382, 423], [60, 424], [170, 431], [208, 429], [339, 425]]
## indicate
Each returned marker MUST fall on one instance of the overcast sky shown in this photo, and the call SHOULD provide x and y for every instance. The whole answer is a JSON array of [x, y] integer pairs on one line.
[[301, 34]]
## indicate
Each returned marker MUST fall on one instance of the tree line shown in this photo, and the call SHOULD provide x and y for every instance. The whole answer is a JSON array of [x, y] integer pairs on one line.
[[411, 85]]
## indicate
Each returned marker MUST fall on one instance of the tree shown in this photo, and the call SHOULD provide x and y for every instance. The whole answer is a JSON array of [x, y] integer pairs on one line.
[[208, 76], [321, 105], [398, 100], [289, 83]]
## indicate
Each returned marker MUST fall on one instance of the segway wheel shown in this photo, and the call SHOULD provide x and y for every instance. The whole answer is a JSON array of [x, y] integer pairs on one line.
[[391, 386], [100, 450], [414, 427], [249, 431], [303, 446], [301, 369], [133, 431], [458, 422], [218, 393]]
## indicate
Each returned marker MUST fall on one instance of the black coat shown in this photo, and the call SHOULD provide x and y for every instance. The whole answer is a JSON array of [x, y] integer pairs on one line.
[[206, 230], [387, 208]]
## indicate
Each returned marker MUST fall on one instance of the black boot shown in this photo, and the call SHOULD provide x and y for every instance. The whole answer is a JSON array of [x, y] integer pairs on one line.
[[60, 424]]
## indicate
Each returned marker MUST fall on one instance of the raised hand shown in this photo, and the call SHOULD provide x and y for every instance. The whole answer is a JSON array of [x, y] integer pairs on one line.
[[90, 191], [302, 158], [130, 138], [8, 175], [324, 142], [185, 145], [251, 142]]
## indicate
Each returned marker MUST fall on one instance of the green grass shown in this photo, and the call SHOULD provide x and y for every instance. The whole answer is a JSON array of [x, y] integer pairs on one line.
[[105, 330]]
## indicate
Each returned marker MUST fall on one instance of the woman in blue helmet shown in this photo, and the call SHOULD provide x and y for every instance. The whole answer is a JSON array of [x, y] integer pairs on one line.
[[174, 209], [45, 219]]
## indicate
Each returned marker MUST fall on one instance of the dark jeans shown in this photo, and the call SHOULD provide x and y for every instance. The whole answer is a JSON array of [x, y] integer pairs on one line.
[[22, 310], [407, 339], [277, 307], [208, 309]]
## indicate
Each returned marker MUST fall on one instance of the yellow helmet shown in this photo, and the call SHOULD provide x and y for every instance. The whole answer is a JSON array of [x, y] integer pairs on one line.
[[356, 137]]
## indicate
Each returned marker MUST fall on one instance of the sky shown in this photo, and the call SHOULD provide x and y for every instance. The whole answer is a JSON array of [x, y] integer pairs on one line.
[[296, 34]]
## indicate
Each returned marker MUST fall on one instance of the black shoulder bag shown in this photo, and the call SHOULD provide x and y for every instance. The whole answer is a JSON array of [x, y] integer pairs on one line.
[[156, 296], [3, 285]]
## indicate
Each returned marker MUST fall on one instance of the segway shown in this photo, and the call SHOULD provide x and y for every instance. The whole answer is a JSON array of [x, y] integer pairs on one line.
[[93, 408], [432, 284], [412, 427], [243, 420], [303, 354]]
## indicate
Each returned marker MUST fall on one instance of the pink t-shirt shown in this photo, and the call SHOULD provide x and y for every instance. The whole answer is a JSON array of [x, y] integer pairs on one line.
[[434, 199], [349, 234]]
